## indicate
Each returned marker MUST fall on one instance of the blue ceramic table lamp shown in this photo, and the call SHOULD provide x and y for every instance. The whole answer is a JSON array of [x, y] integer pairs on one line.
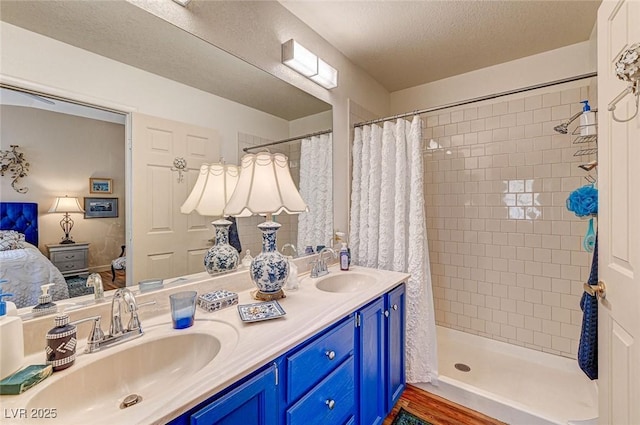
[[215, 184], [266, 188]]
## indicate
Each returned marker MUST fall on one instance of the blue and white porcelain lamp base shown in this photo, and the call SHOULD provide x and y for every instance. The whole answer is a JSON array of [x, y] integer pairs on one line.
[[221, 257], [269, 270]]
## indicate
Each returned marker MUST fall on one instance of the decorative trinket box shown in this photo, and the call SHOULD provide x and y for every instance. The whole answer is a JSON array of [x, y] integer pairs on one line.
[[217, 300]]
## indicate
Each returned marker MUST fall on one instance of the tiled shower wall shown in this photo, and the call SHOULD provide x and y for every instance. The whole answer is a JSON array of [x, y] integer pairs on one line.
[[506, 256]]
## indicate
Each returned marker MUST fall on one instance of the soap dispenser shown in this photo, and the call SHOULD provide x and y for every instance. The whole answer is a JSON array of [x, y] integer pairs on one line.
[[45, 303], [11, 337], [587, 120], [61, 343]]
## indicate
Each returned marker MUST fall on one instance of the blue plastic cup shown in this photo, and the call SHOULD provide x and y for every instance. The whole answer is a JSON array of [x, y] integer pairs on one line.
[[183, 309]]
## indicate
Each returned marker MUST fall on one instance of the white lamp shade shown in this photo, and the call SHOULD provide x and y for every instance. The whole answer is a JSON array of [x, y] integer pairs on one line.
[[212, 190], [66, 205], [265, 187], [295, 56], [327, 75]]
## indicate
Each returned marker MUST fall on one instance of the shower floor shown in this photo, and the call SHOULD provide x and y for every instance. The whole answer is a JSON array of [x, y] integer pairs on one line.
[[511, 383]]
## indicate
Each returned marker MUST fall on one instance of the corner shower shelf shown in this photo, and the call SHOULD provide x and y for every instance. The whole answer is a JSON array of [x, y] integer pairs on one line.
[[589, 151], [585, 139]]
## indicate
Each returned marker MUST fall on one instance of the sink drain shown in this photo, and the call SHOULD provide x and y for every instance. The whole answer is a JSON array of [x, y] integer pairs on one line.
[[130, 400], [462, 367]]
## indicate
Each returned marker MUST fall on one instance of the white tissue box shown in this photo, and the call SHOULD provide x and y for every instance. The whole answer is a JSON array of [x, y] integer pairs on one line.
[[217, 300]]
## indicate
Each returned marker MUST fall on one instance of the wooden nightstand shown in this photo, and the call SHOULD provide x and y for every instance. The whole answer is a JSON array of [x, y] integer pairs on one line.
[[70, 259]]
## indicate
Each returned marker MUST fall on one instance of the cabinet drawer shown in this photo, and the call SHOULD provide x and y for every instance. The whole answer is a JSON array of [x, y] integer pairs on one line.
[[332, 401], [67, 266], [77, 256], [315, 361]]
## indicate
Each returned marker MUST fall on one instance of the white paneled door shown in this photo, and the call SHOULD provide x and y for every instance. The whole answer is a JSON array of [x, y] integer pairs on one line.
[[166, 242], [618, 222]]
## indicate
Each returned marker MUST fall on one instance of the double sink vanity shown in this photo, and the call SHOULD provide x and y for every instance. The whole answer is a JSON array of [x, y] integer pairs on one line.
[[335, 357]]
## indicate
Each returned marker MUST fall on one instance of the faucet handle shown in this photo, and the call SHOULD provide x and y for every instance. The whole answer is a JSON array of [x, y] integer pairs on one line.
[[96, 334], [134, 322]]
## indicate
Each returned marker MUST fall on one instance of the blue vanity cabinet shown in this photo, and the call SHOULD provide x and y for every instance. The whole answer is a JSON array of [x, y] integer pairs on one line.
[[321, 378], [253, 401], [372, 355], [381, 351], [350, 373], [395, 305]]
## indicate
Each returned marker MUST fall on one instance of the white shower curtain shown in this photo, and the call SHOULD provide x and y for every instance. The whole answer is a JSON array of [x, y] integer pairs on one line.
[[316, 226], [388, 228]]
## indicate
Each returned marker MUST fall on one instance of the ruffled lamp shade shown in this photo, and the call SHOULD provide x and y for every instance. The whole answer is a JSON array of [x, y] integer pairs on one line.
[[265, 187], [214, 187]]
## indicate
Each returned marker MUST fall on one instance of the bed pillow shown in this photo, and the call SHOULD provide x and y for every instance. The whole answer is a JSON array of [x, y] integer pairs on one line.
[[10, 239]]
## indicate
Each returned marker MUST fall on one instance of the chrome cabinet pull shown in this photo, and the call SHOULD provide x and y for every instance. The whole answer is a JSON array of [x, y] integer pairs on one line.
[[330, 404], [386, 313], [330, 354], [395, 307]]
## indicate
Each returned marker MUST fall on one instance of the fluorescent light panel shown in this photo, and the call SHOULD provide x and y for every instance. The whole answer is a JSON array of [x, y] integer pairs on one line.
[[327, 76], [298, 58]]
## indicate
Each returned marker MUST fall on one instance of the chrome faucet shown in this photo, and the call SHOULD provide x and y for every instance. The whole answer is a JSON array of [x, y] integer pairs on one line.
[[319, 267], [117, 333]]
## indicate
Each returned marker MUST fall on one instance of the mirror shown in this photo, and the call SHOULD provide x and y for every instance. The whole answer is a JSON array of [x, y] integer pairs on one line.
[[215, 72]]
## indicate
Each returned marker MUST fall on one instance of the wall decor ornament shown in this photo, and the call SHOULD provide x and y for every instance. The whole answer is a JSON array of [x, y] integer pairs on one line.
[[12, 161], [627, 68], [100, 185], [179, 165], [100, 207]]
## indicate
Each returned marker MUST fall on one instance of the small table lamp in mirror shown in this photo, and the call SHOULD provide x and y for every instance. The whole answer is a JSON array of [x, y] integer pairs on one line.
[[208, 197], [66, 205], [266, 188]]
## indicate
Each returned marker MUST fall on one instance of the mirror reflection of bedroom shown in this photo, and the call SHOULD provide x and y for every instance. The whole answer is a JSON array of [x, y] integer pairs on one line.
[[64, 218]]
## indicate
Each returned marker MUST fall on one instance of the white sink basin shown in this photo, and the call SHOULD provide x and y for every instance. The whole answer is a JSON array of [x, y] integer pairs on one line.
[[345, 282], [149, 367]]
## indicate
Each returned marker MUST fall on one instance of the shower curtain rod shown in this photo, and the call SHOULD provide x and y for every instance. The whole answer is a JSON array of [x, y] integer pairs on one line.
[[304, 136], [478, 99]]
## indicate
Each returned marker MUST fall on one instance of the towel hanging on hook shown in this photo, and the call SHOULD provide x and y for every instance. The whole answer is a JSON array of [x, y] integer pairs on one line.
[[628, 69]]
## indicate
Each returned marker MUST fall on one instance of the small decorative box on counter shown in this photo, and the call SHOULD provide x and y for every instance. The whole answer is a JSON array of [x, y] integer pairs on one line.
[[217, 300]]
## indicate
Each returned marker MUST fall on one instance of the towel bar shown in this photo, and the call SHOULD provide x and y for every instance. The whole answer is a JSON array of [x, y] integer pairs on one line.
[[599, 290]]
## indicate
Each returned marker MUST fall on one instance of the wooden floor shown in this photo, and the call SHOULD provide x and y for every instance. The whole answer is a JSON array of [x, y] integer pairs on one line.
[[437, 410]]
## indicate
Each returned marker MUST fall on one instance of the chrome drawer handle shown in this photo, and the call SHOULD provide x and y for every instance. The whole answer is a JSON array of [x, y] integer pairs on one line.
[[330, 354], [395, 306], [330, 404], [386, 313]]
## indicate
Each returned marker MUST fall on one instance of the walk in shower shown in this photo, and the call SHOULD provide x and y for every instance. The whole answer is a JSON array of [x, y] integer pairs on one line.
[[507, 257]]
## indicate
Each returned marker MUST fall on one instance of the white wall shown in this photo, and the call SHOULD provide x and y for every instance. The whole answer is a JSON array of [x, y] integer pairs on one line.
[[553, 65]]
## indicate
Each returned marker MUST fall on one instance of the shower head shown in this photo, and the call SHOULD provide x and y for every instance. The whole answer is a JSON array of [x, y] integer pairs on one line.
[[563, 127]]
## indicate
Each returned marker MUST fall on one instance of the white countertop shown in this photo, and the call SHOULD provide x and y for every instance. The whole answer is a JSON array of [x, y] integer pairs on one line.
[[245, 348]]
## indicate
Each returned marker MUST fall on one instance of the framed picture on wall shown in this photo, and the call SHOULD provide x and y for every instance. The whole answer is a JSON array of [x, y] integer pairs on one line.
[[100, 185], [100, 207]]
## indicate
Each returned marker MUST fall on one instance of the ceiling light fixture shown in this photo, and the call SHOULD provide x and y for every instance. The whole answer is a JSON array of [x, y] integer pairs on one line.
[[183, 3], [298, 58], [327, 76]]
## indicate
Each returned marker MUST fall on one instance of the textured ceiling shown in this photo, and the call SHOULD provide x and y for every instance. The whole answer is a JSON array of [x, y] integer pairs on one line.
[[407, 43], [128, 34]]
